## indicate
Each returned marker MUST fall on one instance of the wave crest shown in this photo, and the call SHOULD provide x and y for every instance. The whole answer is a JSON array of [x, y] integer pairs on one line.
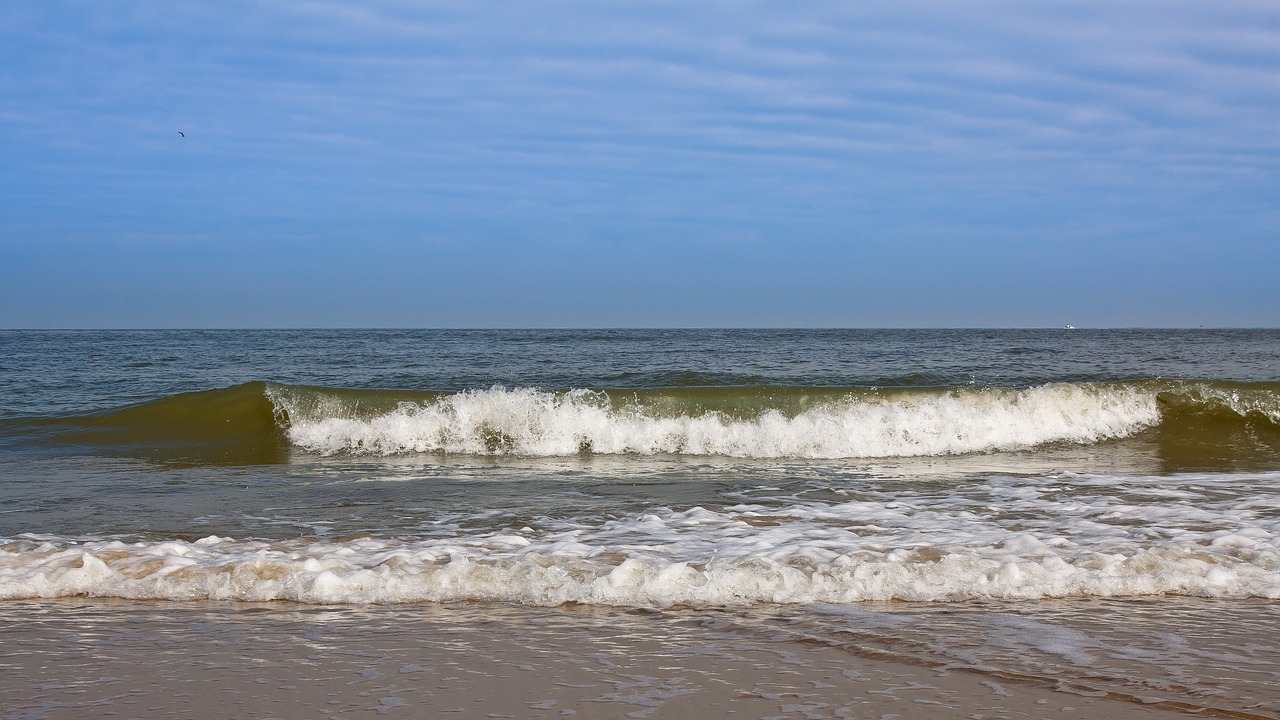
[[533, 422]]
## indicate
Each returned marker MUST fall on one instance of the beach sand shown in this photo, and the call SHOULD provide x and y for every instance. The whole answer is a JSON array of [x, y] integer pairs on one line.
[[1100, 659]]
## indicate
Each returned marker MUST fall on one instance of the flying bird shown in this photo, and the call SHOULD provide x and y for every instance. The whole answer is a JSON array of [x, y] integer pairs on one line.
[[182, 133]]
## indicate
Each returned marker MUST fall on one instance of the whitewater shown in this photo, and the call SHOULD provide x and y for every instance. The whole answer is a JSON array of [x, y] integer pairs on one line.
[[526, 421]]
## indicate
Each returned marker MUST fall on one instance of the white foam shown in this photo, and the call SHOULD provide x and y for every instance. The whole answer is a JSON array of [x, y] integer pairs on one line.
[[538, 423], [387, 571], [913, 548], [1001, 537]]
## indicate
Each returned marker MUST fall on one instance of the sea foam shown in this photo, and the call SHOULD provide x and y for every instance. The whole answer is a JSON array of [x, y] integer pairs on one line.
[[509, 569], [1060, 536], [540, 423]]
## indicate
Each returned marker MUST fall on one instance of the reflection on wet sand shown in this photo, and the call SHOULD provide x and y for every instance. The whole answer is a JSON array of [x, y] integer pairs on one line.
[[1103, 659]]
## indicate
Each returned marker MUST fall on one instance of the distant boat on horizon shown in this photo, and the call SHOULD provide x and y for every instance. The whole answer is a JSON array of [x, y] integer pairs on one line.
[[1071, 327]]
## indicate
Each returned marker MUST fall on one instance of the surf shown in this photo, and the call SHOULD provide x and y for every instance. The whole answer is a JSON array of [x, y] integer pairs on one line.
[[521, 567], [1198, 422], [820, 424]]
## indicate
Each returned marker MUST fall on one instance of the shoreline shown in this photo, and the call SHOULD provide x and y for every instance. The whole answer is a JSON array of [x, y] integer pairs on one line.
[[1110, 659]]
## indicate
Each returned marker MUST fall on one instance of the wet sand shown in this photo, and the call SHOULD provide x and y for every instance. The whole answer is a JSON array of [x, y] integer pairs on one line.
[[1100, 659]]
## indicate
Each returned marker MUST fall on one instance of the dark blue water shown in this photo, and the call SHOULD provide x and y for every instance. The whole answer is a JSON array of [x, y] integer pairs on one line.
[[58, 372]]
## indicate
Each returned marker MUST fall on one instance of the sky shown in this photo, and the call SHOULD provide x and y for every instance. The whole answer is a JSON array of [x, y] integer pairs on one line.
[[639, 164]]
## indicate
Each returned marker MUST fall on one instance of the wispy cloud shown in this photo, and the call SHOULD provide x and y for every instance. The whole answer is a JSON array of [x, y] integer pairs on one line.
[[641, 120]]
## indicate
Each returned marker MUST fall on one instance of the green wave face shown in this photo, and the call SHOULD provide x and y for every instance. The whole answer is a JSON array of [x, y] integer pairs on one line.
[[229, 426], [1218, 425], [1192, 424]]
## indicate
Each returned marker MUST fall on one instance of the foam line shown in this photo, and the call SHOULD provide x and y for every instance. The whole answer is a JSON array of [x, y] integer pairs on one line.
[[539, 423]]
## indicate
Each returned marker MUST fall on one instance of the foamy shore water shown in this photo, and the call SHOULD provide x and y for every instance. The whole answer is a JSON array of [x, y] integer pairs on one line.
[[503, 568], [1060, 535]]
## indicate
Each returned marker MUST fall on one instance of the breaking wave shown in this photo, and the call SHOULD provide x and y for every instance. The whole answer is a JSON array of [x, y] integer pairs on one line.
[[263, 422], [899, 424]]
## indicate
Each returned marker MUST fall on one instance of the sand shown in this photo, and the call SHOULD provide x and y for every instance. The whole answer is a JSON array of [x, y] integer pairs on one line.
[[122, 659]]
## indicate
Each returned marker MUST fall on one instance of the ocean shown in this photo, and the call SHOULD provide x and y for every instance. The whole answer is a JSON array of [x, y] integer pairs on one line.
[[633, 523]]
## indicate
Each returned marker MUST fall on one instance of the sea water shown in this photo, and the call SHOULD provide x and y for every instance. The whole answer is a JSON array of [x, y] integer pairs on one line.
[[687, 471]]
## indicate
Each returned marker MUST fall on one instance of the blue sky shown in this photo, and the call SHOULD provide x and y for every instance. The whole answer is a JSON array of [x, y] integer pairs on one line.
[[561, 164]]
